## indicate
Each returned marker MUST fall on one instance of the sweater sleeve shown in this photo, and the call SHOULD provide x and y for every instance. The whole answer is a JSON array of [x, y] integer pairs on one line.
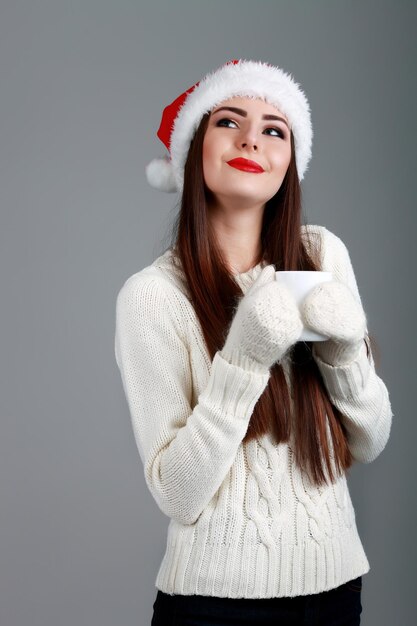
[[355, 388], [186, 451]]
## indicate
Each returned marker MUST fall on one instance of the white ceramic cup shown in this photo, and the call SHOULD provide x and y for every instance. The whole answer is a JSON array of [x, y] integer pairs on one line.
[[300, 284]]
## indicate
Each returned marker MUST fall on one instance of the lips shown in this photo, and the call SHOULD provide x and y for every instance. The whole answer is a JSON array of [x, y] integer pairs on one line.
[[246, 164]]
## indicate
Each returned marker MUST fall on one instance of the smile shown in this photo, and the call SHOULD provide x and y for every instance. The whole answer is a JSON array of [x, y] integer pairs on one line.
[[246, 165]]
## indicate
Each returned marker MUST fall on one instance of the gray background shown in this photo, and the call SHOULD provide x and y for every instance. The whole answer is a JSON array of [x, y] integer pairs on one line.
[[83, 85]]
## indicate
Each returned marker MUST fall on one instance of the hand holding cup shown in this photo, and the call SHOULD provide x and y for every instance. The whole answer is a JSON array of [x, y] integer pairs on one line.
[[331, 308], [266, 323]]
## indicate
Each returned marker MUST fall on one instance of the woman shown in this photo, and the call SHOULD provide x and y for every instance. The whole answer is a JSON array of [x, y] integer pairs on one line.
[[246, 432]]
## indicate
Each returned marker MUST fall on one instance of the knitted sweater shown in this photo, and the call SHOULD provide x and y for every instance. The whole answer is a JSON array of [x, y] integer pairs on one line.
[[245, 521]]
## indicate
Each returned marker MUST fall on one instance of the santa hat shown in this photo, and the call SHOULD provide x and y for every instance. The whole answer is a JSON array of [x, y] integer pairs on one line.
[[238, 77]]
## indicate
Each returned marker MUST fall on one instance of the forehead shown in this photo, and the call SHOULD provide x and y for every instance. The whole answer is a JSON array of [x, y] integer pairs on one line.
[[250, 104]]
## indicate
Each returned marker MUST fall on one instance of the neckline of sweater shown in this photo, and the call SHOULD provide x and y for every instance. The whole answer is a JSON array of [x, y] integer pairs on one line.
[[250, 273]]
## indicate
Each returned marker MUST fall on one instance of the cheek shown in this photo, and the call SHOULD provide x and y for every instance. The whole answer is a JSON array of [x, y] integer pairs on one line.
[[208, 146], [281, 160], [206, 154], [206, 162], [210, 157]]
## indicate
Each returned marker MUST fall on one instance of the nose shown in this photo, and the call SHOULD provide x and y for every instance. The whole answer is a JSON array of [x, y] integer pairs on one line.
[[249, 144], [248, 139]]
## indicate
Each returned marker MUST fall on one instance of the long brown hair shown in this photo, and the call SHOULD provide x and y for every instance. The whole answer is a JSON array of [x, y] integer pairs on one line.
[[319, 434]]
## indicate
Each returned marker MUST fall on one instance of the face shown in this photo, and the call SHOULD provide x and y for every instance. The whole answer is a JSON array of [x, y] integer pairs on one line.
[[245, 134]]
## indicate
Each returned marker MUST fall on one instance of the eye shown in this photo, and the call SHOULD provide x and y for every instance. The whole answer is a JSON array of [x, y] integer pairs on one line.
[[224, 119], [277, 130]]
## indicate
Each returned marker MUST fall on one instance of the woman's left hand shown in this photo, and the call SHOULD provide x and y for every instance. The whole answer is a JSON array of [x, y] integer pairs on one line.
[[331, 309]]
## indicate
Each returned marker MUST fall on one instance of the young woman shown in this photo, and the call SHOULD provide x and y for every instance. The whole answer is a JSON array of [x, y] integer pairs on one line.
[[245, 431]]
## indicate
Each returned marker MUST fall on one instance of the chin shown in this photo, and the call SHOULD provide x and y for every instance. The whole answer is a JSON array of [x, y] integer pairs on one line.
[[240, 198], [247, 191], [244, 190]]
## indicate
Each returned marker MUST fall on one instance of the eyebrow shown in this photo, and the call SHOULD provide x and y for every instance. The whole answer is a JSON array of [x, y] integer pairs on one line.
[[243, 113]]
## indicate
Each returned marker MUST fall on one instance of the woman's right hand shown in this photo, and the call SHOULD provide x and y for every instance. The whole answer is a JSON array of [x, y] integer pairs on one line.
[[266, 323]]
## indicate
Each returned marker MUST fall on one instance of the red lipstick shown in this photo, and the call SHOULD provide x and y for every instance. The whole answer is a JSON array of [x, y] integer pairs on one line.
[[246, 164]]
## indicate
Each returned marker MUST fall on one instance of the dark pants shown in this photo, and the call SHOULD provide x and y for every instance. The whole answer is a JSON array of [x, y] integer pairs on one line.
[[340, 606]]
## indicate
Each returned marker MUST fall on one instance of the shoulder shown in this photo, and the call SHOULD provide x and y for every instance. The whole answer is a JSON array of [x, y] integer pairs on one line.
[[332, 249], [145, 289], [151, 297], [148, 280], [159, 276], [328, 238]]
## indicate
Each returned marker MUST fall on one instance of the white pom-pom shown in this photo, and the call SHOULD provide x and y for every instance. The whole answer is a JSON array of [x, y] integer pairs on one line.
[[159, 174]]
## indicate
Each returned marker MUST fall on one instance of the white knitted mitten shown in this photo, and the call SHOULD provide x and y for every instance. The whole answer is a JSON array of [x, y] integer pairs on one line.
[[266, 323], [331, 309]]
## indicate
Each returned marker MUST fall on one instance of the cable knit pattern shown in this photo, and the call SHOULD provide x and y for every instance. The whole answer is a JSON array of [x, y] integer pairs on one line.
[[245, 521]]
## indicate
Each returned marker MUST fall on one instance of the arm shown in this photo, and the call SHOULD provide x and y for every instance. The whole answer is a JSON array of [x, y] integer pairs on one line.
[[355, 388], [186, 451]]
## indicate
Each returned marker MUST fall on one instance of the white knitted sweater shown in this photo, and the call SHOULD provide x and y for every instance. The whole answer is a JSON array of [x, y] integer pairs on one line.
[[245, 522]]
